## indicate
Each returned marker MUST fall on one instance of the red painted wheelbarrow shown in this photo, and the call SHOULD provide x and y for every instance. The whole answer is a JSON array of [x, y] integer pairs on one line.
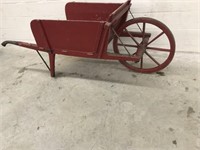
[[141, 44]]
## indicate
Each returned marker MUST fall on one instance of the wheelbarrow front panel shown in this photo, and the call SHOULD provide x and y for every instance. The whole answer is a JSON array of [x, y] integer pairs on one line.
[[39, 34], [65, 36], [90, 11]]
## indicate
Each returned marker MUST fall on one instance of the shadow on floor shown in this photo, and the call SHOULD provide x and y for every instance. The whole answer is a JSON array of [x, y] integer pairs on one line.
[[99, 70]]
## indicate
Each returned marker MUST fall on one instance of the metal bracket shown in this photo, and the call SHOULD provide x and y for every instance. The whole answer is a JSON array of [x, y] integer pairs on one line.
[[43, 60], [121, 41], [134, 18]]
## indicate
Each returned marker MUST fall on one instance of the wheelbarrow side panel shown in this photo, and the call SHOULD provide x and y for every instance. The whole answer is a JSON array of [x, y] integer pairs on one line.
[[90, 11], [65, 36]]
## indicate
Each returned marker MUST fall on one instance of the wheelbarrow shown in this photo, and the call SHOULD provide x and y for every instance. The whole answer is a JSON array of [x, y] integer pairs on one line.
[[142, 44]]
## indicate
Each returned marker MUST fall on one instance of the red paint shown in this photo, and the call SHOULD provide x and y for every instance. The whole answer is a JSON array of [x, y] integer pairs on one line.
[[88, 31]]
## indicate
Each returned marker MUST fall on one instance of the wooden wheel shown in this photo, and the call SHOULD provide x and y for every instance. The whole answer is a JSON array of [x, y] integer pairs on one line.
[[153, 36]]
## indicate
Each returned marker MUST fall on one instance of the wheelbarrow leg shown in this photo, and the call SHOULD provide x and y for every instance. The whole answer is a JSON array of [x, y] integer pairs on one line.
[[52, 64]]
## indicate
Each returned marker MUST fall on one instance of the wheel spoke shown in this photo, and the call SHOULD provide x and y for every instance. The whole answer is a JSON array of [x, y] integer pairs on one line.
[[132, 37], [152, 58], [158, 49], [141, 63], [127, 45], [159, 35], [144, 27]]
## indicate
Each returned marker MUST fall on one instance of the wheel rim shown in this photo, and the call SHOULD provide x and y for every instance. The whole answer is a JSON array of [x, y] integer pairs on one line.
[[159, 50]]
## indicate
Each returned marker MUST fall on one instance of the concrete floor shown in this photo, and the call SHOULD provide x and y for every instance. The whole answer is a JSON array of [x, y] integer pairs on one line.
[[97, 105]]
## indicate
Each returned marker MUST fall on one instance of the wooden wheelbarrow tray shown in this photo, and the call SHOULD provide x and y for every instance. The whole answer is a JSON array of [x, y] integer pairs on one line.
[[90, 27]]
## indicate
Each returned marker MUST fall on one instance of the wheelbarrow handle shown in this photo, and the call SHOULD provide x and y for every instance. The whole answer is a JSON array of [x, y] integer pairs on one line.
[[30, 46], [9, 42], [26, 45]]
